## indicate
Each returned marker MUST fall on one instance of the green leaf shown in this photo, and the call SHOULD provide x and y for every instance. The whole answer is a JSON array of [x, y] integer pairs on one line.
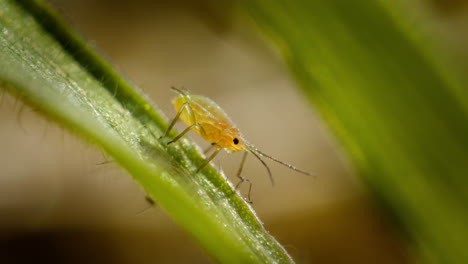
[[51, 68], [392, 100]]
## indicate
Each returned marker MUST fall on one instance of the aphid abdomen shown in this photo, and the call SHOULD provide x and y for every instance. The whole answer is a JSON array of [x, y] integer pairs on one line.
[[187, 114], [195, 113], [209, 132]]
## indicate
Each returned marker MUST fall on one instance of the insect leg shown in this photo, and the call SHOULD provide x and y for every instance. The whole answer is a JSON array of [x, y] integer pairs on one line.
[[194, 119], [186, 106], [182, 133], [182, 108], [208, 159], [209, 148], [242, 179]]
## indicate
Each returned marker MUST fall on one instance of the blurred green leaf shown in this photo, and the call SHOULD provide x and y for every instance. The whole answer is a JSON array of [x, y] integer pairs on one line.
[[48, 66], [393, 102]]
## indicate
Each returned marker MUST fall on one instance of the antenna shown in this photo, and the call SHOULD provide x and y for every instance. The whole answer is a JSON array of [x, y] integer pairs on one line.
[[257, 153], [264, 164]]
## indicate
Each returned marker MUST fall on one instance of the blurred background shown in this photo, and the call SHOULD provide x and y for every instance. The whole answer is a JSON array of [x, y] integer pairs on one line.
[[59, 203]]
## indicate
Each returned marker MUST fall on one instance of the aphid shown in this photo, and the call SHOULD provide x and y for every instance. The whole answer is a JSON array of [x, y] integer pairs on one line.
[[212, 123]]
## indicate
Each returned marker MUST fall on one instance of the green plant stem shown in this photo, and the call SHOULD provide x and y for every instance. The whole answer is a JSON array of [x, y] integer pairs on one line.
[[48, 66]]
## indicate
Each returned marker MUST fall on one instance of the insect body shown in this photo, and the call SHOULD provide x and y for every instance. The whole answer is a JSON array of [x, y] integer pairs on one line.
[[208, 119]]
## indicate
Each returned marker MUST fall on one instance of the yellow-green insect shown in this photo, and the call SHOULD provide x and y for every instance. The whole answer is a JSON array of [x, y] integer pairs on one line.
[[208, 119]]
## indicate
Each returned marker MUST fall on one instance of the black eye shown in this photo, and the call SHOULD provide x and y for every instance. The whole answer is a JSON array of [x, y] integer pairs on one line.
[[236, 141]]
